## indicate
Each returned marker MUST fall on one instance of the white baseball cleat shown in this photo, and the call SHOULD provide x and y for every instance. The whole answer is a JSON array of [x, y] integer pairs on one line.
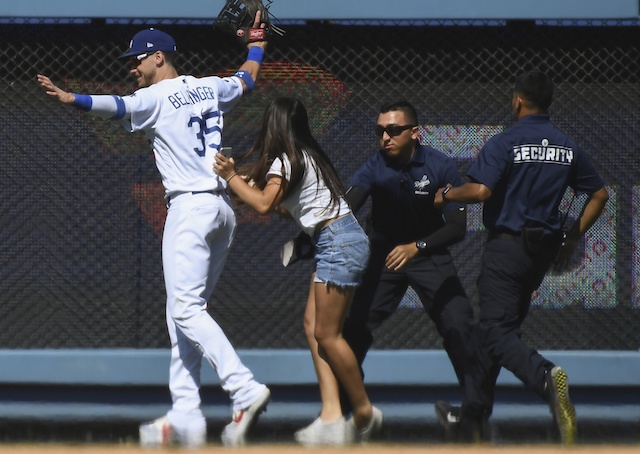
[[160, 433], [235, 433]]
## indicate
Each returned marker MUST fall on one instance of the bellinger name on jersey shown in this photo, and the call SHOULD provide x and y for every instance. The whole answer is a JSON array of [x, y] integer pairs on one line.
[[191, 97]]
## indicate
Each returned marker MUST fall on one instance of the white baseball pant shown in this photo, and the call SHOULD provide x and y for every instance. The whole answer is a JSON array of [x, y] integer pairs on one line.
[[198, 233]]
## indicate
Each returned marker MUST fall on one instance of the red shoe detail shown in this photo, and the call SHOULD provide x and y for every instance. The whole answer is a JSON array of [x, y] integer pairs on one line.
[[166, 434]]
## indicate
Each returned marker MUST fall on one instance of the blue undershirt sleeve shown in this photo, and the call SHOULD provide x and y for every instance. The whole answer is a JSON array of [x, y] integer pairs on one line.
[[105, 106]]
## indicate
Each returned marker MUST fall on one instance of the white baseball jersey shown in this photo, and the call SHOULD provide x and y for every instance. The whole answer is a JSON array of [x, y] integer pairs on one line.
[[165, 110]]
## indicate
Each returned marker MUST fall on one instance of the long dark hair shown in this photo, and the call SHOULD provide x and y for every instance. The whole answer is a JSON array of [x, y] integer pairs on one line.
[[285, 131]]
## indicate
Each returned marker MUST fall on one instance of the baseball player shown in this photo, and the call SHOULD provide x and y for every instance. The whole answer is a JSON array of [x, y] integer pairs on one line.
[[182, 117], [521, 176]]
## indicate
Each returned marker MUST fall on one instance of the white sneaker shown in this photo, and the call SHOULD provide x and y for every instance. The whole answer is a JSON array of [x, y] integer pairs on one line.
[[318, 433], [160, 433], [373, 427], [235, 433]]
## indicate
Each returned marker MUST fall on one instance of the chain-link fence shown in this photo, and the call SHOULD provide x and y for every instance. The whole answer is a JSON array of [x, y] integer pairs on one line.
[[82, 204]]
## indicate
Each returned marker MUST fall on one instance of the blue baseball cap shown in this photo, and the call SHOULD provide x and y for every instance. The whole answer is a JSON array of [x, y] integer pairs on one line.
[[150, 40]]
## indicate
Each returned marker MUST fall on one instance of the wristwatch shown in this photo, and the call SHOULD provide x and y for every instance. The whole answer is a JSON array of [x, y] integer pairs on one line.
[[421, 245], [444, 192]]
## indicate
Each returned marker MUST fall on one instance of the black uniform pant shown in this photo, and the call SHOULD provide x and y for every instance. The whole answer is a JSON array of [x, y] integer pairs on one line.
[[435, 280], [510, 272]]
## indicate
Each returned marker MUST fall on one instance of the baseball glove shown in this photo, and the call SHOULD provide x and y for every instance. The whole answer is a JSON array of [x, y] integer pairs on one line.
[[237, 17]]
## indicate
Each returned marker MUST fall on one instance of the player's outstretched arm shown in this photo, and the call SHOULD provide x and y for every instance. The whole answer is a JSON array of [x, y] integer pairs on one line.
[[105, 106], [251, 67], [54, 91]]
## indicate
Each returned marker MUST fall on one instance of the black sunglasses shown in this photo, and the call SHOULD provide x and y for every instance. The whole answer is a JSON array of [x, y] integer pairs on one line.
[[391, 130]]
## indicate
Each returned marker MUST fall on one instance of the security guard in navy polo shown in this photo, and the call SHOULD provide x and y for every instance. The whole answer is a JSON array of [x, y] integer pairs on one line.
[[409, 236], [521, 176]]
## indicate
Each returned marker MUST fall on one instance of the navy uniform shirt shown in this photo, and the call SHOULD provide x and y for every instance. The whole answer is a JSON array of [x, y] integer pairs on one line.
[[402, 208], [528, 168]]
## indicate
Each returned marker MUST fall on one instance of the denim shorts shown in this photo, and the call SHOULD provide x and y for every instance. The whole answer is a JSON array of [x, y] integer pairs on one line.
[[342, 253]]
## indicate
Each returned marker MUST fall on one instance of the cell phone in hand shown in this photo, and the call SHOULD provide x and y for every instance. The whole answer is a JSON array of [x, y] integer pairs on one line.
[[226, 151]]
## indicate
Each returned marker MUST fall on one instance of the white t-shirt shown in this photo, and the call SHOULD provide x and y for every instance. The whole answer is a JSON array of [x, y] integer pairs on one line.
[[183, 119], [308, 203]]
